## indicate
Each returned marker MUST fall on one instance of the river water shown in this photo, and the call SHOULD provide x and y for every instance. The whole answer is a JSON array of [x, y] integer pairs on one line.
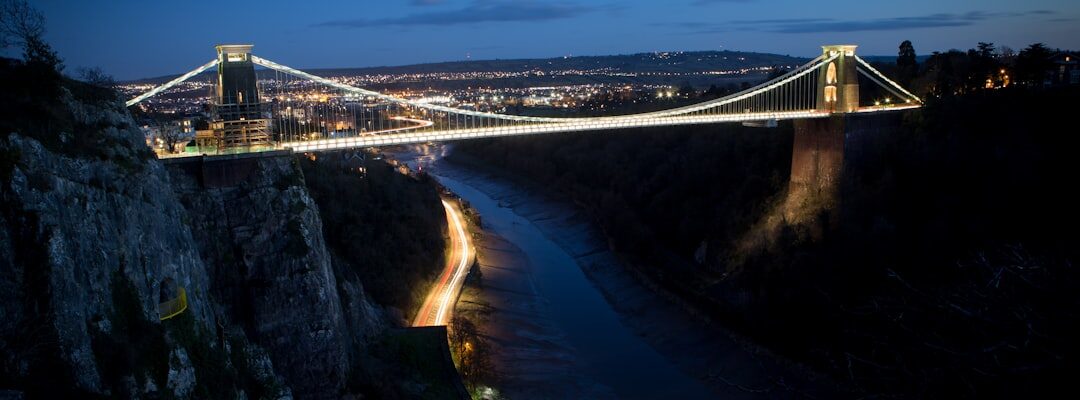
[[611, 354]]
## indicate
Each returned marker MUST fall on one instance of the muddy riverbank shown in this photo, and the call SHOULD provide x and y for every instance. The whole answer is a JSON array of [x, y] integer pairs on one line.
[[658, 349]]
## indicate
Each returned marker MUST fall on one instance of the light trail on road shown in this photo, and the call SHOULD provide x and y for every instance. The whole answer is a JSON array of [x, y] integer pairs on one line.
[[442, 298], [462, 268]]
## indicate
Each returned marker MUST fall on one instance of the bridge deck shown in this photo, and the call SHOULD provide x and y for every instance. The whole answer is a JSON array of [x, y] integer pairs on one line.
[[532, 129], [806, 92]]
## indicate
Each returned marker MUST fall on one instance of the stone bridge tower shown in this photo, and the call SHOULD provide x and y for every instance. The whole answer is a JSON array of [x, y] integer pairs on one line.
[[838, 85], [238, 115], [820, 144]]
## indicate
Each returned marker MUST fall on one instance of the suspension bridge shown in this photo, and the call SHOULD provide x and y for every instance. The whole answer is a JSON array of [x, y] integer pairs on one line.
[[307, 113]]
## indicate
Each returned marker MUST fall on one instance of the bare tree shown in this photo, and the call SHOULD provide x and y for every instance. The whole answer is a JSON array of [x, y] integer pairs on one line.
[[20, 23], [97, 77], [171, 134], [472, 351], [24, 26]]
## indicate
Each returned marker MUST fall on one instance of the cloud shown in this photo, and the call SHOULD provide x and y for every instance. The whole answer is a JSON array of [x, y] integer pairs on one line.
[[823, 25], [880, 24], [478, 12]]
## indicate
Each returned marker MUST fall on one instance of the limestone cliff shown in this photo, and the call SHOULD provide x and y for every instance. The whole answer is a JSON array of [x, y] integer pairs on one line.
[[72, 227], [262, 240], [91, 242]]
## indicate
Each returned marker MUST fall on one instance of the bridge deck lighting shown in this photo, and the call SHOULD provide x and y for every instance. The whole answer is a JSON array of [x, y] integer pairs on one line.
[[762, 102]]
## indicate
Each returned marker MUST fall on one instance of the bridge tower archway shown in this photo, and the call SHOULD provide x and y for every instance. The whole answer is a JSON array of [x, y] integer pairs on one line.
[[838, 86]]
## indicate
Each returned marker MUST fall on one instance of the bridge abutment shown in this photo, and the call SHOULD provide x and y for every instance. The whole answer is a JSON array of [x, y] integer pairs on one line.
[[817, 156], [826, 151], [823, 145], [220, 171]]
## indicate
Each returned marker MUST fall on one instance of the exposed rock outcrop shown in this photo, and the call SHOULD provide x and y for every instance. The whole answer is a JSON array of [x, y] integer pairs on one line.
[[91, 242], [264, 242], [70, 226]]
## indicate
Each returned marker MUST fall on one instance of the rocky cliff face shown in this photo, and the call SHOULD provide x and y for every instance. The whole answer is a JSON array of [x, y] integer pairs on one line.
[[263, 242], [74, 225], [89, 245]]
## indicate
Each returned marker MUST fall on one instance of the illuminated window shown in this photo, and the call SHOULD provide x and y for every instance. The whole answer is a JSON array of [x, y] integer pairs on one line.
[[830, 76], [830, 94]]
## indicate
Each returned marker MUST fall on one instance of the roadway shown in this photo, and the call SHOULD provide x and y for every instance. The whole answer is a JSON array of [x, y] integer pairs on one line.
[[438, 307], [417, 124]]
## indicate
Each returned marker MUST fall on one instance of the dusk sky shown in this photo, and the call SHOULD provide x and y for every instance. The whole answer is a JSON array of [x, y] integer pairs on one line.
[[137, 38]]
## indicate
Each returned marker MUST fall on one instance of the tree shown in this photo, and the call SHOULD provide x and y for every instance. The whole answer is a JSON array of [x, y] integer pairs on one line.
[[37, 52], [1007, 53], [1032, 64], [906, 64], [97, 77], [472, 351], [984, 66], [19, 22], [906, 57], [950, 73], [24, 26], [171, 134]]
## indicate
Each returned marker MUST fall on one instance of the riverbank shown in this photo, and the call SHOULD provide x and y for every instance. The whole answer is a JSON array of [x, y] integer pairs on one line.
[[725, 363], [531, 355]]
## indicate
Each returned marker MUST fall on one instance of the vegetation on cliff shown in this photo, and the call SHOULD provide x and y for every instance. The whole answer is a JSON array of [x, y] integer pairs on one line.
[[660, 192], [385, 228]]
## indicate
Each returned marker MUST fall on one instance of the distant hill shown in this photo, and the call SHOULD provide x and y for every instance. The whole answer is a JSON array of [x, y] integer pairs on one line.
[[677, 62]]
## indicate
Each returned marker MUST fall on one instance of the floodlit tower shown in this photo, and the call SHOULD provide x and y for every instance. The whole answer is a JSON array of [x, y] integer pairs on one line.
[[238, 117], [838, 85]]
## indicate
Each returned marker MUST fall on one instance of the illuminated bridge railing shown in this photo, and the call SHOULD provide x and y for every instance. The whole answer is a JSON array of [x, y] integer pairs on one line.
[[313, 113], [579, 126]]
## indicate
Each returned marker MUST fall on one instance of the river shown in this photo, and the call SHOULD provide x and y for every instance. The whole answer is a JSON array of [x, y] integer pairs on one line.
[[555, 328]]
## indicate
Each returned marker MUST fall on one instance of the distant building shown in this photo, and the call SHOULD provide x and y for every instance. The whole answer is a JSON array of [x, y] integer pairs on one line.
[[169, 137], [1065, 70], [537, 101]]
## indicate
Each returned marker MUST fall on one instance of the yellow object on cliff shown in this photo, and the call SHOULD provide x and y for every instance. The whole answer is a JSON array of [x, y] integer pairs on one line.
[[173, 307]]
